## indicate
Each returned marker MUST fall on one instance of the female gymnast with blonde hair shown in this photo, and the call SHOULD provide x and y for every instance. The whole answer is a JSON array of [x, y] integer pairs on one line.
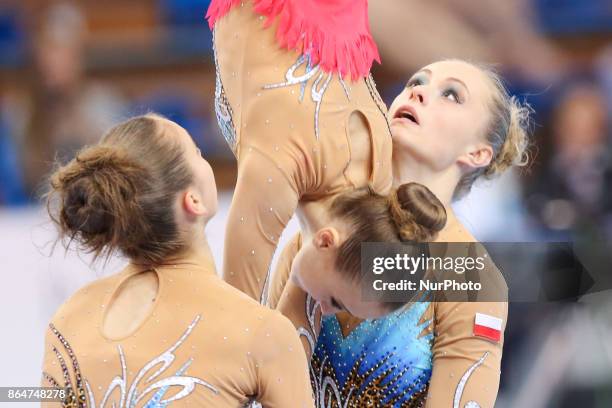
[[307, 132], [453, 124]]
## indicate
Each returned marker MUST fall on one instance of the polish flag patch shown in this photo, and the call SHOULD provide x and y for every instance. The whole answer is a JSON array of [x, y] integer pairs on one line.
[[488, 327]]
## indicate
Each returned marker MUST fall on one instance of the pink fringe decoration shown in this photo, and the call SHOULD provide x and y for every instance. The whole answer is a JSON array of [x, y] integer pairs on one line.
[[334, 33]]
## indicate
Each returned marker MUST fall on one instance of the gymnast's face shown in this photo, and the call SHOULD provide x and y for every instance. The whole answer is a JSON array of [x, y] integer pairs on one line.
[[314, 270], [441, 116], [201, 197]]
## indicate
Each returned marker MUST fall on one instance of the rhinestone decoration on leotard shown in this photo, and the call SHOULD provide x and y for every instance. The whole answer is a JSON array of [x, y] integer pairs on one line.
[[223, 110], [264, 292], [379, 102], [318, 88], [81, 395], [312, 307], [75, 393], [344, 87], [463, 382], [383, 362]]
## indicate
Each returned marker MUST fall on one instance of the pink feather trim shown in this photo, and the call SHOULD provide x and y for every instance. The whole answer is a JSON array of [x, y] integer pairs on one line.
[[334, 33]]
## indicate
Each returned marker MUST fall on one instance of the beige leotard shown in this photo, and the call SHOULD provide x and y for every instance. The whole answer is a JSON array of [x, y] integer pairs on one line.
[[298, 133], [204, 344]]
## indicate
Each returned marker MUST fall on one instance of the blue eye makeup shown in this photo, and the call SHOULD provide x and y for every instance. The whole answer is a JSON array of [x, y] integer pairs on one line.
[[414, 82], [451, 94]]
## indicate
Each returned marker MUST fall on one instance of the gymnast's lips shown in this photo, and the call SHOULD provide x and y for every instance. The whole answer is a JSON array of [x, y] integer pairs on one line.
[[406, 113]]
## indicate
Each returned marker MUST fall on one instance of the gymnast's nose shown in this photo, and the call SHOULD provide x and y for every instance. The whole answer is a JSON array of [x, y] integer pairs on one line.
[[418, 93]]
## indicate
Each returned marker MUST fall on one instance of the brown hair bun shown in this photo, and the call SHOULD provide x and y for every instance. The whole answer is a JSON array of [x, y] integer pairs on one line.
[[418, 214], [81, 214], [97, 196], [120, 195]]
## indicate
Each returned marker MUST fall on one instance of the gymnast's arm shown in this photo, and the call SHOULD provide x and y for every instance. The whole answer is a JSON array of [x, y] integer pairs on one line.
[[283, 378], [282, 272], [292, 301], [466, 367], [264, 201], [304, 313]]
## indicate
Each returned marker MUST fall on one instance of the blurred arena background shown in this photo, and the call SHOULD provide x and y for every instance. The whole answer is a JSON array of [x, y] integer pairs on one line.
[[69, 70]]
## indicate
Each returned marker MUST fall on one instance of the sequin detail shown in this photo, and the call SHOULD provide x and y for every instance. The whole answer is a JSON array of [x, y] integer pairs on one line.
[[383, 362], [130, 397], [264, 293], [320, 85], [223, 110], [344, 87], [377, 99], [75, 393], [317, 97], [311, 313], [463, 382]]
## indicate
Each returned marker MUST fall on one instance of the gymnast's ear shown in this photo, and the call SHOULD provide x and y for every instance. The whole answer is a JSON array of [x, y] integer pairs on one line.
[[477, 156], [193, 203], [326, 238]]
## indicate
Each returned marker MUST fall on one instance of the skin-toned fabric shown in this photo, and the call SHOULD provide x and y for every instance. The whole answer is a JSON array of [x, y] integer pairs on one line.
[[219, 347], [287, 123], [281, 274], [294, 131], [427, 353], [459, 355]]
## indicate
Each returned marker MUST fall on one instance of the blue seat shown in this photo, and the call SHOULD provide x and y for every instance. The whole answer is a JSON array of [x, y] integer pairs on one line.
[[567, 17], [12, 38], [183, 12], [12, 191], [188, 34]]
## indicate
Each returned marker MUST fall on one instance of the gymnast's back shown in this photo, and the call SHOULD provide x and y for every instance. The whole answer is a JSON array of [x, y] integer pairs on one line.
[[165, 329], [201, 343]]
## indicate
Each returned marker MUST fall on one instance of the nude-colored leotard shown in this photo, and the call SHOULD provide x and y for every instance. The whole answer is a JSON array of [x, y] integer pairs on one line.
[[204, 343], [298, 133]]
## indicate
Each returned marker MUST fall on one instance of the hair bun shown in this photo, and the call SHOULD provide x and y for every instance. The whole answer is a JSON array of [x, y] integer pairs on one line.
[[418, 213], [97, 198], [83, 211]]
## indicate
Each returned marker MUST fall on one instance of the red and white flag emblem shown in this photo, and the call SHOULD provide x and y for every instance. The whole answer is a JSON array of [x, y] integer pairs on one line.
[[486, 326]]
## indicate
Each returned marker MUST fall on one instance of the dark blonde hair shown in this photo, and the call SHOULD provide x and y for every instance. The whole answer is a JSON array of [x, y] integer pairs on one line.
[[507, 133], [411, 213], [120, 194]]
